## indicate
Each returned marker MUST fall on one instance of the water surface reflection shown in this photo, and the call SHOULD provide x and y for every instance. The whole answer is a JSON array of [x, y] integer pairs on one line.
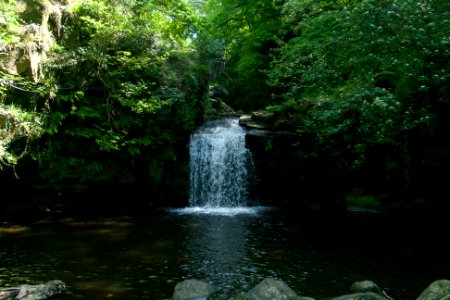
[[143, 258], [219, 249]]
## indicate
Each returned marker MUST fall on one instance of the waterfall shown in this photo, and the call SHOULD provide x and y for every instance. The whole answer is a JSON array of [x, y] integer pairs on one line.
[[219, 165]]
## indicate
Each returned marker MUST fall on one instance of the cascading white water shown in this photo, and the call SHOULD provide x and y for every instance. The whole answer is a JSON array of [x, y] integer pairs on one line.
[[219, 165]]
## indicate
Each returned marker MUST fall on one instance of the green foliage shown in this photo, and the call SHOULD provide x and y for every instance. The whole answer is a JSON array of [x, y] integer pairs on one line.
[[368, 82], [166, 23], [124, 98], [9, 25], [368, 39], [357, 199], [19, 119], [16, 123], [364, 82], [349, 125], [244, 32], [119, 94]]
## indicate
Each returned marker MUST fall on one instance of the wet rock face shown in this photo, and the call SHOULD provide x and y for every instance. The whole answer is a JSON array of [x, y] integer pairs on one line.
[[43, 25], [273, 156], [45, 291]]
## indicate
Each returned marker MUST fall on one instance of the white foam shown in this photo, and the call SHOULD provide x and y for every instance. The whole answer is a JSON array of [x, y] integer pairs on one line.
[[219, 211], [220, 165]]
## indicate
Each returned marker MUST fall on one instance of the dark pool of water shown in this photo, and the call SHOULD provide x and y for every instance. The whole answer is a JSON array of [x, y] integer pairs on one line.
[[143, 258]]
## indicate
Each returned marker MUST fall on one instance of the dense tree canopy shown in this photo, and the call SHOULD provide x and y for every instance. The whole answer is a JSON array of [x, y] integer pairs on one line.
[[94, 92], [370, 81], [244, 32], [118, 93]]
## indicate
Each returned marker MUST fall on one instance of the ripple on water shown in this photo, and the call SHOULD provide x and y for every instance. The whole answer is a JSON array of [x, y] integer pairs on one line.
[[219, 211]]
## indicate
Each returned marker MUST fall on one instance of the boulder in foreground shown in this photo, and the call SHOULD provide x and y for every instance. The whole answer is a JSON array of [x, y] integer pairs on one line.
[[193, 289], [44, 291]]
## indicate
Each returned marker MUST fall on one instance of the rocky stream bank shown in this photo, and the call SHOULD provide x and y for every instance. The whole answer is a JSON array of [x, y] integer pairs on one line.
[[267, 289]]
